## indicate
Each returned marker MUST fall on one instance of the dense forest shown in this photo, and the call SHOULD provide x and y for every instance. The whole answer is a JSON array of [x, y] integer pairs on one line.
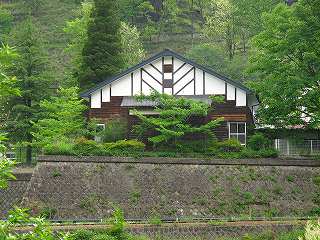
[[47, 45]]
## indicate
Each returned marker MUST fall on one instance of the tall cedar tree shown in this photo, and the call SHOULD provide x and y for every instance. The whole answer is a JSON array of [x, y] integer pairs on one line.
[[33, 82], [102, 51]]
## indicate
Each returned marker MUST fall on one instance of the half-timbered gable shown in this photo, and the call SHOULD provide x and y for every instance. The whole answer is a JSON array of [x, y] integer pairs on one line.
[[170, 73]]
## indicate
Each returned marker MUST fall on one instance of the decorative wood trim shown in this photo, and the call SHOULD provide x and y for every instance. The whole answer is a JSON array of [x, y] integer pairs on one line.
[[162, 59], [226, 91], [172, 75], [140, 80], [184, 75], [204, 82], [154, 67], [110, 92], [235, 95], [100, 97], [151, 76], [132, 84], [168, 68], [179, 68], [194, 81], [184, 86]]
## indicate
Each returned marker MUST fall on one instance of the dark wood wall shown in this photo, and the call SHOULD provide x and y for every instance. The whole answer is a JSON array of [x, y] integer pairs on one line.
[[228, 110]]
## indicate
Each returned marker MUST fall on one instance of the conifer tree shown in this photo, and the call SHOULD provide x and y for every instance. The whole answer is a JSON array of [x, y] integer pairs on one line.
[[33, 82], [102, 51]]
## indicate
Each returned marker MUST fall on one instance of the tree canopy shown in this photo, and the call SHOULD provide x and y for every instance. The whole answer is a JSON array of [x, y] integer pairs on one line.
[[286, 65]]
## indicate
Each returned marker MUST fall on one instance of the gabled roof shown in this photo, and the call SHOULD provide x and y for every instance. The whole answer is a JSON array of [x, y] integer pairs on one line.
[[164, 53]]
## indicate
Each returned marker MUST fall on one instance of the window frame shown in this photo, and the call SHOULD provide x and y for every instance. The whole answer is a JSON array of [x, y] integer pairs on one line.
[[237, 133]]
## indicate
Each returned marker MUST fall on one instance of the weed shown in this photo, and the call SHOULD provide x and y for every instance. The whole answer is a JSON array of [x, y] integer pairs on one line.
[[135, 196], [290, 178], [316, 180], [56, 173]]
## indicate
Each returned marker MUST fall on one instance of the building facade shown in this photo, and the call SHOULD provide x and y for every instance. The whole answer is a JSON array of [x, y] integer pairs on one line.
[[170, 73]]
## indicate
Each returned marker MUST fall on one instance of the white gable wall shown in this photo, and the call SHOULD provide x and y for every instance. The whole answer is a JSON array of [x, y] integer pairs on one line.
[[231, 92], [214, 85], [196, 81], [96, 99], [241, 98]]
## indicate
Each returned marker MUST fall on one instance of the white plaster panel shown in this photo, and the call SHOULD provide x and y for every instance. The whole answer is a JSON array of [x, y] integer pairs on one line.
[[158, 64], [167, 91], [199, 82], [183, 82], [182, 71], [96, 99], [153, 83], [122, 87], [153, 72], [214, 85], [106, 93], [168, 60], [231, 92], [136, 82], [188, 90], [177, 63], [146, 90], [167, 75], [241, 98]]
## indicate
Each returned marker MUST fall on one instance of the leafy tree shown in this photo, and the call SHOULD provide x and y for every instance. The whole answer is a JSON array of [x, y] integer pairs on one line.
[[132, 48], [212, 56], [102, 51], [173, 121], [77, 30], [62, 117], [7, 83], [286, 65], [34, 84]]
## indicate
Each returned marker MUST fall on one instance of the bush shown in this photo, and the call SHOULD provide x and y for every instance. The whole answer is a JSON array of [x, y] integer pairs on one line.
[[263, 153], [258, 142], [59, 148], [229, 145], [86, 147], [115, 130], [124, 147]]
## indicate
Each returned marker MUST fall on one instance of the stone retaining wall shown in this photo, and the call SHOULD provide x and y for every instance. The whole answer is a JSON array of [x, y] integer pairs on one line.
[[12, 196], [74, 188]]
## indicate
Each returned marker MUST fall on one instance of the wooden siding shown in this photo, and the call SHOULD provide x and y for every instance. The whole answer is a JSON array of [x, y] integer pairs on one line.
[[228, 110]]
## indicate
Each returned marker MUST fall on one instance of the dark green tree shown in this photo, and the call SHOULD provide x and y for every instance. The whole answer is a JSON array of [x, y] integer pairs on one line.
[[102, 51], [33, 82], [286, 65]]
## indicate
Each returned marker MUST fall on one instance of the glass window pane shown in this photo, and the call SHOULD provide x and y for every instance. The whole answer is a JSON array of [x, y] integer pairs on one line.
[[233, 128], [241, 127], [242, 139]]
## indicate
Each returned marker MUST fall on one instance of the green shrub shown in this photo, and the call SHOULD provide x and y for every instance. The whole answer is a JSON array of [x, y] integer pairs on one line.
[[229, 145], [86, 147], [59, 148], [124, 147], [81, 235], [103, 236], [115, 130], [316, 180], [258, 142]]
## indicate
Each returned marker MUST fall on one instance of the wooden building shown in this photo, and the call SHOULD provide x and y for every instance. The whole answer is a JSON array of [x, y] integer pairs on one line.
[[170, 73]]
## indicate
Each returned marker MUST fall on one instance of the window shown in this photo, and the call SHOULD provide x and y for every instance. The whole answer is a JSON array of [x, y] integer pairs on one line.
[[167, 68], [99, 128], [238, 131]]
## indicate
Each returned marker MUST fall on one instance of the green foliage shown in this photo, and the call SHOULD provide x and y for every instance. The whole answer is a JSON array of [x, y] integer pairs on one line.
[[258, 142], [173, 123], [286, 65], [115, 129], [125, 147], [316, 180], [62, 118], [6, 22], [85, 147], [102, 50], [6, 167], [229, 145], [7, 83], [131, 45], [59, 148], [77, 31], [34, 81]]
